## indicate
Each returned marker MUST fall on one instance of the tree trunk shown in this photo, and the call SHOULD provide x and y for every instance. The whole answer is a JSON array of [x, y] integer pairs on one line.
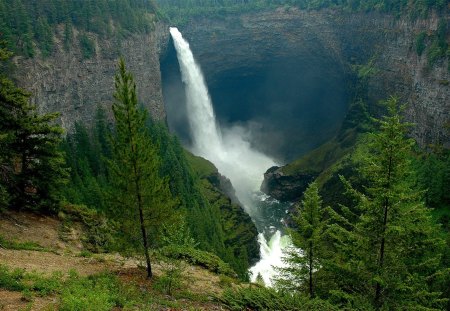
[[311, 288], [383, 240], [144, 239]]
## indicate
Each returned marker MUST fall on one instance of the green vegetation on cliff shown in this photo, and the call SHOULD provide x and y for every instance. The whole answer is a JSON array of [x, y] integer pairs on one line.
[[180, 11], [32, 167], [30, 24]]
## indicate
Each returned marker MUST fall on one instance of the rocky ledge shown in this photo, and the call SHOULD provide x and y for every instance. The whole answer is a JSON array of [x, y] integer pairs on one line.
[[286, 188]]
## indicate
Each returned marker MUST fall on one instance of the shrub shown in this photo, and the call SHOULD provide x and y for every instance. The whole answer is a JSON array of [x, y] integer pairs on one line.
[[11, 280], [262, 298], [420, 43], [87, 46], [200, 258], [171, 278]]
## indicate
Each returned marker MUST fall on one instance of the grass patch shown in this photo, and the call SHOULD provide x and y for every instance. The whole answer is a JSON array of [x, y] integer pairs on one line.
[[19, 280], [28, 245], [97, 292], [324, 156], [200, 258], [201, 166]]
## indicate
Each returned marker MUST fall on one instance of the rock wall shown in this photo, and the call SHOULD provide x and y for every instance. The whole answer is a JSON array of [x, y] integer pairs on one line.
[[251, 41], [74, 86]]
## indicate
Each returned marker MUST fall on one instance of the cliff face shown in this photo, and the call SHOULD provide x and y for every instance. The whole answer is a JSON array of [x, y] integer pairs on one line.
[[331, 43], [74, 86], [335, 40]]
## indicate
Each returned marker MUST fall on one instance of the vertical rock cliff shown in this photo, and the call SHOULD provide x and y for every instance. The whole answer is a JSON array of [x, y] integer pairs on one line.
[[331, 42], [74, 86]]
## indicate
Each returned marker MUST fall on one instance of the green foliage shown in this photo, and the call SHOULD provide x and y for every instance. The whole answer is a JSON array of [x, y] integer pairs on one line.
[[87, 46], [92, 293], [181, 11], [31, 162], [19, 280], [261, 298], [197, 257], [96, 292], [11, 280], [207, 212], [366, 71], [391, 250], [140, 195], [172, 276], [309, 237], [44, 36], [24, 22], [177, 233], [86, 155], [420, 43], [11, 244], [98, 231]]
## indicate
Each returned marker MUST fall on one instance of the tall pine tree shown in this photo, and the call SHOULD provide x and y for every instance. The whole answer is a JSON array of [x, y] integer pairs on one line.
[[309, 238], [141, 197], [389, 257]]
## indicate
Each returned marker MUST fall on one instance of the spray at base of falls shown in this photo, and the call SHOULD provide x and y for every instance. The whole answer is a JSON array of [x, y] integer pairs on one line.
[[228, 150]]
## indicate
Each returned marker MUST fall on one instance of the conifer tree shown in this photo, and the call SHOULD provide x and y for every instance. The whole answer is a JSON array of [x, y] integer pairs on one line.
[[401, 239], [390, 255], [142, 198], [30, 150], [307, 237]]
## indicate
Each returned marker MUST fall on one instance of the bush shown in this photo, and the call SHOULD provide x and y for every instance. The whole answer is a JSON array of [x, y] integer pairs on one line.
[[11, 280], [98, 230], [87, 46], [200, 258], [92, 293], [262, 298], [420, 43], [171, 278]]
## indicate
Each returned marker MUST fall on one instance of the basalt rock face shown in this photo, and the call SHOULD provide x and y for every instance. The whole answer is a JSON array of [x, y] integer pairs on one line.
[[327, 43], [332, 44], [68, 83], [283, 187]]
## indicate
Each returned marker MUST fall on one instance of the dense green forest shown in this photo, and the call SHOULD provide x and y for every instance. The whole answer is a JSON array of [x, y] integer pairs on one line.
[[435, 45], [27, 25], [416, 8]]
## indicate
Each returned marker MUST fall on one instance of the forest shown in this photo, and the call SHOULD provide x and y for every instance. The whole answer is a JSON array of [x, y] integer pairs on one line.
[[380, 240]]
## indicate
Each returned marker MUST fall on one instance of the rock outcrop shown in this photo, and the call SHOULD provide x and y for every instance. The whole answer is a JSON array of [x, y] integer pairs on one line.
[[285, 187], [74, 86]]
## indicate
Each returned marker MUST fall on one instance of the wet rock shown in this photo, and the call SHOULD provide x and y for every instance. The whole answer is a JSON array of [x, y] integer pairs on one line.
[[283, 187]]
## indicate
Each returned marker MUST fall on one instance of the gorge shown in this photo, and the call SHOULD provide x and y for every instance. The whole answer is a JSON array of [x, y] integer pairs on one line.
[[286, 75]]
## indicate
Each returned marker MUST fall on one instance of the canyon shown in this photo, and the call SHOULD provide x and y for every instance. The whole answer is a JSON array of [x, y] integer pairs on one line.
[[287, 74]]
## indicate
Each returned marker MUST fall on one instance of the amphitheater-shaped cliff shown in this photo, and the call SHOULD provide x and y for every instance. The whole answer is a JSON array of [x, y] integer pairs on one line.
[[289, 73], [286, 73]]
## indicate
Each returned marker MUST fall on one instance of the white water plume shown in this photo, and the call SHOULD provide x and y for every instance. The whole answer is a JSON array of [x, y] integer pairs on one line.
[[272, 253], [226, 148]]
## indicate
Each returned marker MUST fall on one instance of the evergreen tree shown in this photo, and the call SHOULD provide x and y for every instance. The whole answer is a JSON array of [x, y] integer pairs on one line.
[[29, 151], [390, 256], [309, 238], [140, 195]]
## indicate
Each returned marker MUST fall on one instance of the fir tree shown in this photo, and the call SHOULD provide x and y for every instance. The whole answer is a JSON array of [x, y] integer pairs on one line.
[[309, 238], [141, 196], [30, 150], [390, 256]]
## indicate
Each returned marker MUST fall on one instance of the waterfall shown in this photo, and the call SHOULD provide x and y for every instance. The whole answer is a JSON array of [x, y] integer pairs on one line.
[[227, 149]]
